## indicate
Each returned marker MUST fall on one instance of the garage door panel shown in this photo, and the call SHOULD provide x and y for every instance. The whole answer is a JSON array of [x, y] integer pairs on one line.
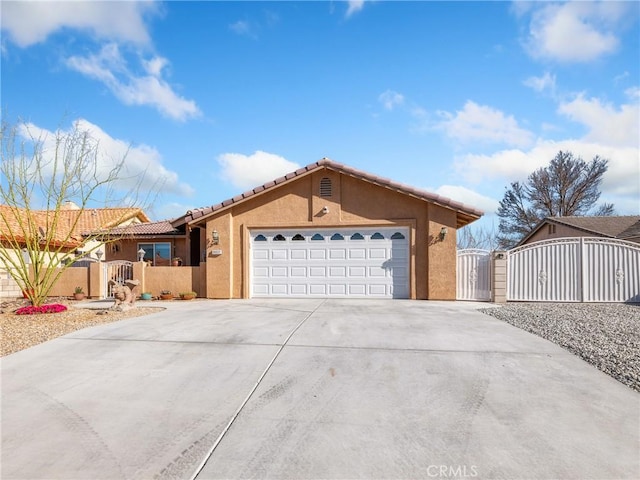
[[279, 289], [339, 289], [337, 253], [377, 290], [299, 272], [261, 272], [279, 254], [347, 262], [279, 272], [337, 272], [298, 289], [298, 254], [358, 253], [378, 253], [318, 289], [317, 254], [357, 272], [260, 254], [317, 271]]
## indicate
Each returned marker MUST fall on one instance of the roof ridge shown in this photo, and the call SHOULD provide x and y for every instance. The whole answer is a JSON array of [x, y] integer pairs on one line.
[[325, 162]]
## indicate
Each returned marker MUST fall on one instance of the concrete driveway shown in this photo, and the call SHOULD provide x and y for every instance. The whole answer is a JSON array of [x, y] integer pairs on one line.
[[303, 389]]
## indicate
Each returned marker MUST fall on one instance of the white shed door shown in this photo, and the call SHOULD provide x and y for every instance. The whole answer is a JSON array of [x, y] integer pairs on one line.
[[365, 262]]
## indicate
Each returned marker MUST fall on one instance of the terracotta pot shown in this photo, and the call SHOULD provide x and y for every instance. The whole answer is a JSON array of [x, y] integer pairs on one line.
[[78, 296], [187, 297], [166, 296]]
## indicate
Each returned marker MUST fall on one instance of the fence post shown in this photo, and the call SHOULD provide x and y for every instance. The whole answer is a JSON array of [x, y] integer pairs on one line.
[[499, 277], [96, 280], [139, 274]]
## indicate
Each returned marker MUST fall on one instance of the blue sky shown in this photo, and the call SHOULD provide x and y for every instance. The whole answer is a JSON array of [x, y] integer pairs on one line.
[[214, 98]]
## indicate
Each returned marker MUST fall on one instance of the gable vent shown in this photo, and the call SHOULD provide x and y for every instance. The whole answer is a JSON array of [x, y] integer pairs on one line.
[[325, 187]]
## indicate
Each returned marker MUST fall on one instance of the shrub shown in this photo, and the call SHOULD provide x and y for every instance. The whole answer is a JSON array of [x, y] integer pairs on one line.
[[48, 308]]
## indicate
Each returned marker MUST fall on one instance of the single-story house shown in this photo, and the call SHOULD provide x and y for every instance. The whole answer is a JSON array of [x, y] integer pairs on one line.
[[625, 227], [73, 224], [329, 230]]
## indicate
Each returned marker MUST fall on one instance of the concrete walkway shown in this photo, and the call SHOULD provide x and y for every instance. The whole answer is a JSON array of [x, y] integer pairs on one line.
[[362, 389]]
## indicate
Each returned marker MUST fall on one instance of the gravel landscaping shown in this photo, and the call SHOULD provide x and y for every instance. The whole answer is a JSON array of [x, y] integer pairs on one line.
[[605, 335], [18, 332]]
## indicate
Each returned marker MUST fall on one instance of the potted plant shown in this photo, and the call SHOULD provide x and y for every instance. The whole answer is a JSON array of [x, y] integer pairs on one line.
[[78, 293], [166, 295], [188, 295], [176, 261], [145, 296]]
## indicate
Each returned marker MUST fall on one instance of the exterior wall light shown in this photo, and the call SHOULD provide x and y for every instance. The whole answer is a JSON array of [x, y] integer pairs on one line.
[[325, 210], [443, 233], [215, 237], [99, 255], [141, 253]]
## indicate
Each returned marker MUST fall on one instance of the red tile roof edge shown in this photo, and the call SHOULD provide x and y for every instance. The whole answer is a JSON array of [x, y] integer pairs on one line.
[[194, 214]]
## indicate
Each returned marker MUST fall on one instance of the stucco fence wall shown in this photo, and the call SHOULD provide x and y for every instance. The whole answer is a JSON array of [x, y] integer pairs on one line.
[[92, 280]]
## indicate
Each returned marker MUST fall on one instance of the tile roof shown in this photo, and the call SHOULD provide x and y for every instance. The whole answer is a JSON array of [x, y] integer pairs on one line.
[[611, 226], [162, 227], [86, 221], [466, 214]]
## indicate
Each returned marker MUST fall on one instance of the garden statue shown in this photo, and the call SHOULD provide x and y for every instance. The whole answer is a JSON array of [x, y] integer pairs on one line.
[[123, 294]]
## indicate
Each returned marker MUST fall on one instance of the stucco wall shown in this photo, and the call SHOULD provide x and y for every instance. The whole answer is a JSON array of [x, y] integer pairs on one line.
[[353, 203]]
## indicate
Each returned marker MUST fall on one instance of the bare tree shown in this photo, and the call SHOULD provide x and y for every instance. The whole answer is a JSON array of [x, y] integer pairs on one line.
[[477, 237], [568, 186], [39, 237]]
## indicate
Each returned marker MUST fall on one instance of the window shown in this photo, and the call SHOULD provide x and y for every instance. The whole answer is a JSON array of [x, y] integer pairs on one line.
[[357, 236], [337, 236], [325, 187], [317, 236], [297, 238], [158, 254], [552, 229], [279, 238], [397, 236], [377, 236], [260, 238]]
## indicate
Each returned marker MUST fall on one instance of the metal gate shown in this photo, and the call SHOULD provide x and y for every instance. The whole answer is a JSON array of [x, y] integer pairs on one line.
[[118, 271], [574, 270], [473, 275]]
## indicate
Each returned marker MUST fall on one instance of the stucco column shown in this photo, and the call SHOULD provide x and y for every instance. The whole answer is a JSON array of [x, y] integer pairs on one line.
[[96, 280], [499, 277], [138, 274]]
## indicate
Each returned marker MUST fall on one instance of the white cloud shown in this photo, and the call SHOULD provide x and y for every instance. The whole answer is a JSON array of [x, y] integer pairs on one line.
[[242, 28], [142, 166], [481, 123], [540, 84], [354, 6], [248, 171], [28, 23], [109, 67], [468, 197], [606, 123], [621, 183], [575, 31], [391, 99]]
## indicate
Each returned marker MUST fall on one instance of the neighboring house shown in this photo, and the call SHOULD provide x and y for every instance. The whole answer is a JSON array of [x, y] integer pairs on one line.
[[328, 230], [161, 242], [620, 227], [73, 224]]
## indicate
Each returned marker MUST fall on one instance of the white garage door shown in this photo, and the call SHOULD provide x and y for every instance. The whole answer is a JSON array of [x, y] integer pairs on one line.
[[330, 263]]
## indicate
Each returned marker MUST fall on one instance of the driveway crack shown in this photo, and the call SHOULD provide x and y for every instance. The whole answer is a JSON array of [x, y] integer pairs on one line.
[[248, 397]]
